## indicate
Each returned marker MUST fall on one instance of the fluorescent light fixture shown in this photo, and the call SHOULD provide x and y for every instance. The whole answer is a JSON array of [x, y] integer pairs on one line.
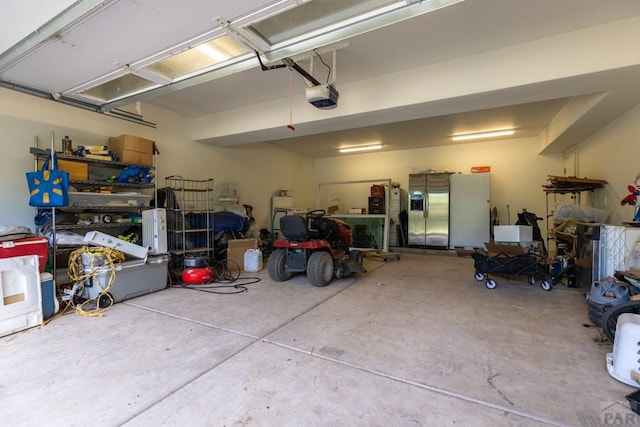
[[361, 148], [212, 52], [465, 137]]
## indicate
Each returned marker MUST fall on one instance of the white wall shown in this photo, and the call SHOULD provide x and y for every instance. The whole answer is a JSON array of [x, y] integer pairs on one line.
[[613, 154], [258, 172], [24, 118], [517, 171]]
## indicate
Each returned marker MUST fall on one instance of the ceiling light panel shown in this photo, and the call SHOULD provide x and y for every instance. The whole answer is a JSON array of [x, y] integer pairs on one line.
[[312, 16], [199, 59], [357, 148], [126, 85], [483, 135]]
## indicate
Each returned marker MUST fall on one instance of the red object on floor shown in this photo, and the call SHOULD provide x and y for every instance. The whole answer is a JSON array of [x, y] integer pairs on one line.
[[26, 246], [197, 275]]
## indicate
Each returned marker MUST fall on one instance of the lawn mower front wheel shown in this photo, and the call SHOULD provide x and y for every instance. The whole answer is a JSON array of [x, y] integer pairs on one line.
[[320, 268], [277, 266]]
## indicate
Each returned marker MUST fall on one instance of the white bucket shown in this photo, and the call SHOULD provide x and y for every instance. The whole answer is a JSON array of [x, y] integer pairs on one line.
[[98, 281], [253, 260], [624, 363]]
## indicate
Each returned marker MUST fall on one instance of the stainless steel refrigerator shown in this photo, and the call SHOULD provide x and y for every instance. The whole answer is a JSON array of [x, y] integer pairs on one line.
[[428, 214]]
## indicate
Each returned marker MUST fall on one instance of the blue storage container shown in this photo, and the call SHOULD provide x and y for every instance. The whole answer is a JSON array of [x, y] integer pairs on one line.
[[48, 295]]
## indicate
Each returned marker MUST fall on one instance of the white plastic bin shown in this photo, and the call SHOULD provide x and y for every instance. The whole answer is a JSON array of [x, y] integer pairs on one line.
[[513, 233], [20, 294], [625, 358]]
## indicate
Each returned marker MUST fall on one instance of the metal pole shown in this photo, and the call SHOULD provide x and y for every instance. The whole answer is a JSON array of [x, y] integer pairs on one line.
[[54, 243]]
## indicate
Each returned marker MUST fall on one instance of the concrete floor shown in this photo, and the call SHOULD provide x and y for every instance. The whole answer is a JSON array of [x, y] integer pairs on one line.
[[414, 342]]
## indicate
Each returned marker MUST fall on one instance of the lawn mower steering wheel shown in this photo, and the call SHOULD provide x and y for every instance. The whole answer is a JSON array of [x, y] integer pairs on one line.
[[316, 213]]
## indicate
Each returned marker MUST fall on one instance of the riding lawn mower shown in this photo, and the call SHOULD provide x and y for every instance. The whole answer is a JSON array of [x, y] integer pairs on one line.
[[316, 245]]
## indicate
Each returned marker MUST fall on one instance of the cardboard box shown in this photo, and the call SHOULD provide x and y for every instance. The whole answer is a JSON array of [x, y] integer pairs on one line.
[[78, 171], [513, 233], [236, 249], [495, 249], [377, 191], [133, 149]]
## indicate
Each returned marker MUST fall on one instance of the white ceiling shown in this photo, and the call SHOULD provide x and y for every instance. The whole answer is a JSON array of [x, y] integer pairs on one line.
[[461, 30]]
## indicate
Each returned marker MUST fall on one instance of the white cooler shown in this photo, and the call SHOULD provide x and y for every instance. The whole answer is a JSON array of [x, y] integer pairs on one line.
[[20, 294]]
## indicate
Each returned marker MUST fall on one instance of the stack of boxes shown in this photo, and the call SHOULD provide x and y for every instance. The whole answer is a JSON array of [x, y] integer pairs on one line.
[[376, 201]]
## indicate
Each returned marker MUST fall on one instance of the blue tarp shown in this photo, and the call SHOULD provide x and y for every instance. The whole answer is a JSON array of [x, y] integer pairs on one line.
[[222, 221]]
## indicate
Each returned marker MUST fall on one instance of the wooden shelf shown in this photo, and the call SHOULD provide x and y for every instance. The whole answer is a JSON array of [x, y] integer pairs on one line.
[[571, 184], [43, 153]]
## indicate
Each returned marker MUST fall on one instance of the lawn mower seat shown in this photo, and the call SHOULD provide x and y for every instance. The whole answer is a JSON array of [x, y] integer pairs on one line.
[[294, 227]]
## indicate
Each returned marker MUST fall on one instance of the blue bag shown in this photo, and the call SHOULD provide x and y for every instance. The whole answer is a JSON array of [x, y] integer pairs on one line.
[[48, 187]]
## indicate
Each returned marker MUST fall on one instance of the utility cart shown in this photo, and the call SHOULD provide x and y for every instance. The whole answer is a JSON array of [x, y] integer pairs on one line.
[[510, 260]]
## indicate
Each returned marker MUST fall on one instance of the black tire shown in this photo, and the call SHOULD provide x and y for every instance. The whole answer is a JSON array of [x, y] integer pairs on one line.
[[610, 317], [546, 285], [596, 311], [277, 266], [479, 277], [320, 268], [357, 256], [531, 280], [105, 301], [491, 284]]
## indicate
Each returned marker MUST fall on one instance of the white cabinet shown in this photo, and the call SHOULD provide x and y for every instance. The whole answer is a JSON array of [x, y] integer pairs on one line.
[[469, 211]]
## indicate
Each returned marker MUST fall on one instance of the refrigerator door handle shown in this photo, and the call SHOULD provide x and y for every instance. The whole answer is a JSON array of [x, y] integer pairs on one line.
[[425, 212]]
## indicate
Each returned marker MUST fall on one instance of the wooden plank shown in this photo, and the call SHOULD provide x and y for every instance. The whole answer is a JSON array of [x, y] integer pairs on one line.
[[574, 180]]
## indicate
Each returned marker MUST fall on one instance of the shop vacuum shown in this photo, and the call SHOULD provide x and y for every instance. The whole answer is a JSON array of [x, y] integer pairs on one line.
[[197, 271]]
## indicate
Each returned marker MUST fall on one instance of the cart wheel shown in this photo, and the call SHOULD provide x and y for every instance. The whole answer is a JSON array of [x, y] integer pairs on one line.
[[479, 277], [546, 285], [105, 301], [491, 284], [532, 280]]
